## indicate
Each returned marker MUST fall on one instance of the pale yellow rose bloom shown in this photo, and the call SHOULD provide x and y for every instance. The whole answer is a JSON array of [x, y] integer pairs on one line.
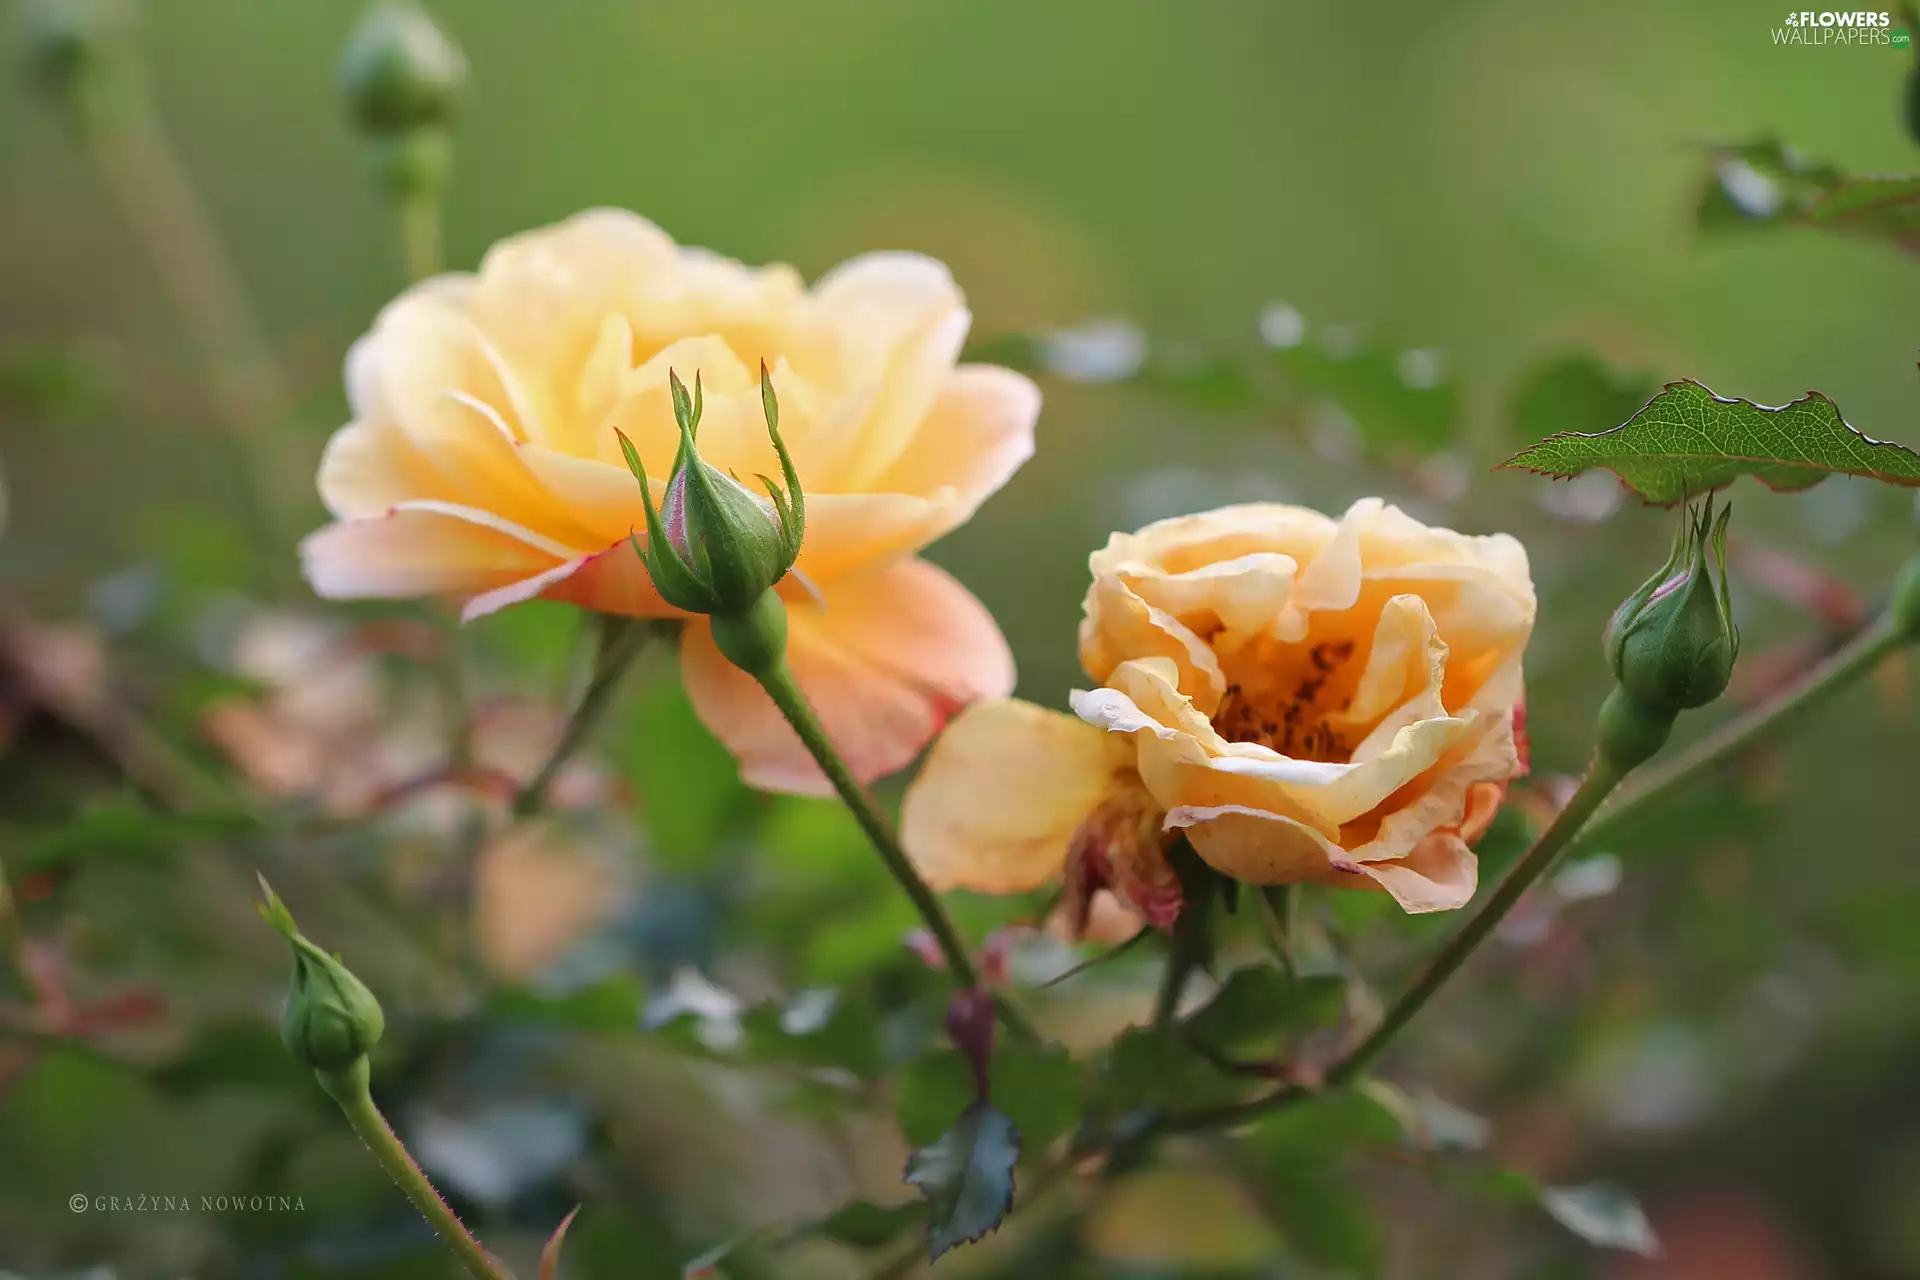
[[1305, 699], [482, 463]]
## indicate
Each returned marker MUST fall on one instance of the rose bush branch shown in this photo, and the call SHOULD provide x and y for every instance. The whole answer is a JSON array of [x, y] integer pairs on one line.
[[84, 60], [1626, 731], [620, 641], [1898, 627], [330, 1024], [403, 80], [714, 547]]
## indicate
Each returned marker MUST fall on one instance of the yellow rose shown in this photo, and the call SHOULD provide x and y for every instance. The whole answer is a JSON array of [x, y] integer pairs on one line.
[[482, 463], [1304, 699]]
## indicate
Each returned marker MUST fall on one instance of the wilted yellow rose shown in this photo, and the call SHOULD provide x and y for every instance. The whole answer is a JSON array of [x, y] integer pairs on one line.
[[1304, 699], [482, 463]]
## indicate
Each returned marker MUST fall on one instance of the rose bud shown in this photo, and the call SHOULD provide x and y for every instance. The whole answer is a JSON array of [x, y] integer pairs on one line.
[[400, 72], [331, 1019], [715, 546], [1672, 644]]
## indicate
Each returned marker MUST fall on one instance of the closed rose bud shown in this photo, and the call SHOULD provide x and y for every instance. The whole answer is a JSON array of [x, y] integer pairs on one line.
[[73, 50], [331, 1020], [400, 72], [1672, 644], [716, 547]]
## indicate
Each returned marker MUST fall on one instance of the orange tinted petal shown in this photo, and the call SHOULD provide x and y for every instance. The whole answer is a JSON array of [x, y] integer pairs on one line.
[[889, 658], [1001, 793], [415, 553]]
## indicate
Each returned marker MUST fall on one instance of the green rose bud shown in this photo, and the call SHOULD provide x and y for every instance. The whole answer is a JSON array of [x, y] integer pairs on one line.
[[331, 1019], [1672, 644], [715, 546], [400, 72], [76, 55]]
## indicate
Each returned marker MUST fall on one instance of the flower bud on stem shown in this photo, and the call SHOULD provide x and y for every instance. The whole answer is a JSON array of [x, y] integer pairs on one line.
[[717, 548], [332, 1020], [403, 80], [1628, 733]]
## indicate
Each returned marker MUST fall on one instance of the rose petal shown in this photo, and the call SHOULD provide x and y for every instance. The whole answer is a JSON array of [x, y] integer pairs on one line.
[[887, 660], [415, 553], [1000, 795]]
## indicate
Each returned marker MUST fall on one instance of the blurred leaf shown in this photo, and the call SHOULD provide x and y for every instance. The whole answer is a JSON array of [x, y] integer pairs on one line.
[[967, 1177], [691, 795], [200, 551], [1159, 1069], [819, 1028], [1324, 1218], [1303, 1155], [58, 381], [708, 1264], [1330, 1123], [1042, 1088], [1396, 398], [1602, 1215], [123, 826], [816, 1029], [1189, 1221], [1577, 392], [1767, 184], [1509, 835], [1430, 1123], [238, 1052], [1688, 441], [862, 1224], [611, 1005], [1259, 1009], [932, 1092]]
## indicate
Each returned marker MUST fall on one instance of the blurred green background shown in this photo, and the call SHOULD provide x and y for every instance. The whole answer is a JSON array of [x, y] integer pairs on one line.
[[1730, 1030]]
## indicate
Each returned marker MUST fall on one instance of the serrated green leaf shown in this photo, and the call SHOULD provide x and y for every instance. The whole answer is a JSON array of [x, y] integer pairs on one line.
[[1687, 442], [967, 1177], [1602, 1215]]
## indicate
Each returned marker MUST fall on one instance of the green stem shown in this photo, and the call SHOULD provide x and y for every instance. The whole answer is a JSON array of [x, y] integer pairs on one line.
[[1192, 940], [780, 685], [1601, 778], [349, 1089], [420, 236], [1279, 906], [160, 204], [1846, 665], [1582, 820], [621, 640]]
